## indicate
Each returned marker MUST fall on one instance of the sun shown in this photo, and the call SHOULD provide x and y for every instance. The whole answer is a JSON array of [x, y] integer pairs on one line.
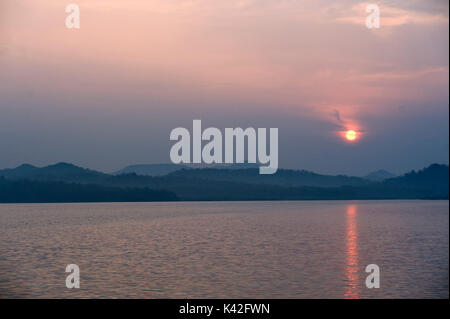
[[351, 135]]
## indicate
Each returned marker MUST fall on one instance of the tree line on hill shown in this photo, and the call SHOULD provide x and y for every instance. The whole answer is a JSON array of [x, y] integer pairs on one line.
[[65, 182]]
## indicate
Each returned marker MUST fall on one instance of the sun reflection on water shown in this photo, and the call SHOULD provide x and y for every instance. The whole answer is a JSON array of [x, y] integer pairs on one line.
[[352, 267]]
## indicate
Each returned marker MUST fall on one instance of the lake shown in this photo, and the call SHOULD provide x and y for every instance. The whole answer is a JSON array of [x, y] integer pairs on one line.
[[302, 249]]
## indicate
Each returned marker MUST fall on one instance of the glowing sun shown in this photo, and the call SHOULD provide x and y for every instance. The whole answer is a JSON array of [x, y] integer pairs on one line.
[[351, 135]]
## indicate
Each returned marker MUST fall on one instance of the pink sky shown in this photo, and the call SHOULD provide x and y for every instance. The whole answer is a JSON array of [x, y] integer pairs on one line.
[[307, 59]]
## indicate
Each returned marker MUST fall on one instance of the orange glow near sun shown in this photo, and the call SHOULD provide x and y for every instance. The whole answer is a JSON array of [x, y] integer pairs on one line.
[[351, 135]]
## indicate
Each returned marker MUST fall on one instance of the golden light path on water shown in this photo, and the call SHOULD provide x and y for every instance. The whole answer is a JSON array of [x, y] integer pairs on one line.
[[351, 268]]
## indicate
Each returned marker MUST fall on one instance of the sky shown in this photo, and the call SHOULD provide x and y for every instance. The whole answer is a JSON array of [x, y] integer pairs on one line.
[[108, 94]]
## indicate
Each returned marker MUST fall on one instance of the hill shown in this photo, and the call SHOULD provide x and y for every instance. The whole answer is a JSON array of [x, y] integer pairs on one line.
[[56, 172], [379, 176], [283, 177], [25, 191], [434, 180], [220, 184], [150, 169]]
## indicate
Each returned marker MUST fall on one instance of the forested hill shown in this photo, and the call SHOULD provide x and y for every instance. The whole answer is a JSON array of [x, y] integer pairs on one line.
[[27, 191], [66, 182], [283, 177]]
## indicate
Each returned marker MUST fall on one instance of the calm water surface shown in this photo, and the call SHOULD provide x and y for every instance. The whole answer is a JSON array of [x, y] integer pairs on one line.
[[226, 250]]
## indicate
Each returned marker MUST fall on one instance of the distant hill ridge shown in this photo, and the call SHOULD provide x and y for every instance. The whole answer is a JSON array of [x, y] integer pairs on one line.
[[233, 173], [164, 169], [379, 175], [435, 177], [223, 184], [150, 169], [57, 172], [282, 177]]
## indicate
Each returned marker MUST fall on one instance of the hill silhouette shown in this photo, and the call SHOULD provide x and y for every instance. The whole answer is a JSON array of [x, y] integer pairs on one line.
[[433, 180], [56, 172], [150, 169], [283, 177], [215, 184], [26, 191], [379, 176]]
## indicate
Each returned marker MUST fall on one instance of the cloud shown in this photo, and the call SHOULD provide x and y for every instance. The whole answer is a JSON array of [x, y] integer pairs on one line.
[[337, 115], [395, 77], [392, 16]]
